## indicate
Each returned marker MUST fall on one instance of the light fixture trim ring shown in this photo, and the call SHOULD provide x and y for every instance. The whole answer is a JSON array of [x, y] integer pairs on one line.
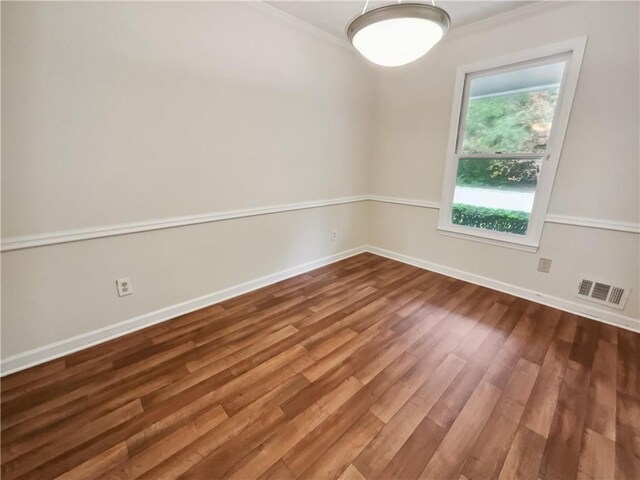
[[399, 10]]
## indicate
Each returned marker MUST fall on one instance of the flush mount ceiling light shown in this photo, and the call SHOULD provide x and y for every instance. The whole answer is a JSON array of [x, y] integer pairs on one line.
[[394, 35]]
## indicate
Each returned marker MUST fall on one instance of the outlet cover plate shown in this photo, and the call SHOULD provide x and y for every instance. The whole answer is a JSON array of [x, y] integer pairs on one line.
[[544, 265], [125, 287]]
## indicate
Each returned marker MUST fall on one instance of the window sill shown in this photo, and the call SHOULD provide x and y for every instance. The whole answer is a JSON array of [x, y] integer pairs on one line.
[[488, 239]]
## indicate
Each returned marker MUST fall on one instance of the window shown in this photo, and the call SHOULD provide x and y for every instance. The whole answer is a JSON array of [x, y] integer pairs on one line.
[[508, 125]]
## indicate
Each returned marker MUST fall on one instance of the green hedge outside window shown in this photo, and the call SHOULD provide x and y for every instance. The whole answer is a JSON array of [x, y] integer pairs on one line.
[[496, 219]]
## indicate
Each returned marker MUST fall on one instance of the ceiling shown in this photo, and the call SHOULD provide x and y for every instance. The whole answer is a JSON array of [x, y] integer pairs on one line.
[[333, 16]]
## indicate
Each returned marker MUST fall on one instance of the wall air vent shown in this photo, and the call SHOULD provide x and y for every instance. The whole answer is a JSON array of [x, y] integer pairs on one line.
[[616, 295], [600, 291], [585, 287], [603, 293]]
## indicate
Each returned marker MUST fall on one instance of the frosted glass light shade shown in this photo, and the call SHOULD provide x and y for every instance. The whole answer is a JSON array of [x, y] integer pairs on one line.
[[398, 34], [396, 42]]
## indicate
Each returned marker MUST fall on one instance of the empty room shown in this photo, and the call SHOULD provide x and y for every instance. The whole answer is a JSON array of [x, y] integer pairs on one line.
[[320, 240]]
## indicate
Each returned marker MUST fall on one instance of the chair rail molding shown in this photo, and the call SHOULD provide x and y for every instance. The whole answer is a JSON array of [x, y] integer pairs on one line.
[[618, 226], [55, 238], [405, 201], [67, 236], [628, 227]]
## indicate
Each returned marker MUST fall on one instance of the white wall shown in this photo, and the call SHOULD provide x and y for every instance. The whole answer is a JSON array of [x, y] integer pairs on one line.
[[134, 112], [57, 292], [139, 111], [118, 112], [598, 175]]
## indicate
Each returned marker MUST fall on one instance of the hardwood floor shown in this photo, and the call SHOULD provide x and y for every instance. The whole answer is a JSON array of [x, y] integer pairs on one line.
[[366, 368]]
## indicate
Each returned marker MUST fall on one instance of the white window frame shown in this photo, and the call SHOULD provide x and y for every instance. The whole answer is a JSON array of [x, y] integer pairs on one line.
[[574, 51]]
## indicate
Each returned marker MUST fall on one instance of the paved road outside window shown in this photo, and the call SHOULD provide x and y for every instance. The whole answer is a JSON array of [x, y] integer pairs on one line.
[[485, 197]]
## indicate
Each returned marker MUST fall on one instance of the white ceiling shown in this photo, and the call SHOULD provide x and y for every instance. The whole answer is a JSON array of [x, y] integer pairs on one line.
[[333, 16]]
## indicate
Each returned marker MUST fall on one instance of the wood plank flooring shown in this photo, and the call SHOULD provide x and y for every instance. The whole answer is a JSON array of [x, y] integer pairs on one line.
[[366, 368]]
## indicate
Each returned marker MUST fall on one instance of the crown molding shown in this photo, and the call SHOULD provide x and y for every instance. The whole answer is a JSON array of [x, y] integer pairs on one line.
[[525, 11], [319, 33]]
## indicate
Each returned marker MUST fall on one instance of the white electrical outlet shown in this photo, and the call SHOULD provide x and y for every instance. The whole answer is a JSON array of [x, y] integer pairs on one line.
[[544, 265], [334, 235], [125, 287]]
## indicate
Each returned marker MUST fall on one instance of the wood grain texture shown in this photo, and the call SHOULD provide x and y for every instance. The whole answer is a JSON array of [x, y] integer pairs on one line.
[[363, 369]]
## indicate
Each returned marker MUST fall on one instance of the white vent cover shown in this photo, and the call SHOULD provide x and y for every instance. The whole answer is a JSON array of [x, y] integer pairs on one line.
[[603, 293]]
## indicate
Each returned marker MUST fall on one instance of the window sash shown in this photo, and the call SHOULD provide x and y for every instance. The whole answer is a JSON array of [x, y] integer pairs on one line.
[[515, 156], [466, 96], [521, 156], [571, 52]]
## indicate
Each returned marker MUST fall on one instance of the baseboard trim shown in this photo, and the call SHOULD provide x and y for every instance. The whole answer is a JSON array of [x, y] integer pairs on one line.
[[55, 350], [59, 349], [593, 313]]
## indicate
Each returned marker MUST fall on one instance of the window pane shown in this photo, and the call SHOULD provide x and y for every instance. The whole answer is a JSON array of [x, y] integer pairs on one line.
[[495, 193], [512, 112]]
